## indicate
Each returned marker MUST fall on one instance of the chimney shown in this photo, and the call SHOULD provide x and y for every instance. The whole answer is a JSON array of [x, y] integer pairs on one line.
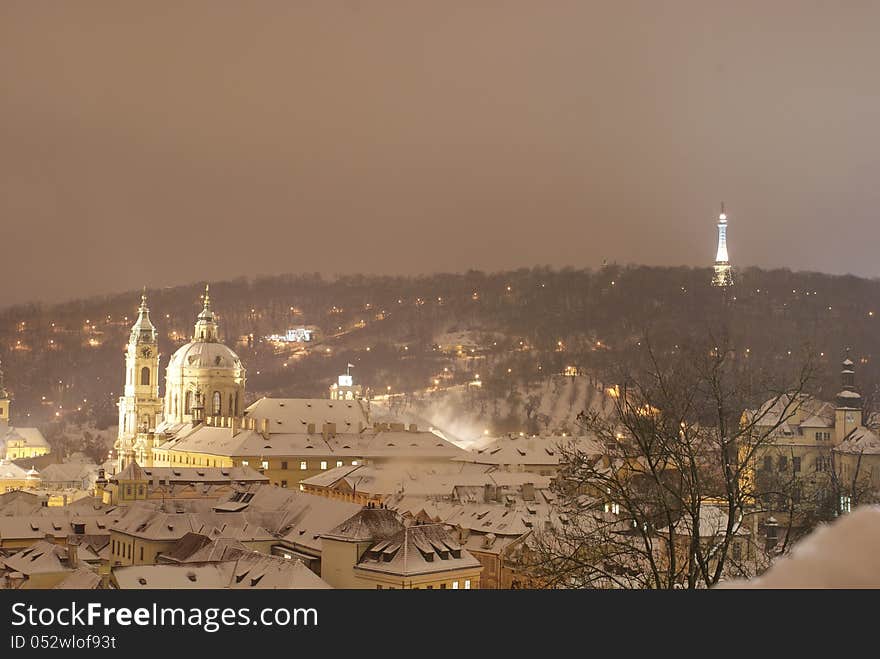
[[528, 491], [413, 427], [329, 430], [397, 427], [264, 428], [311, 428], [73, 553]]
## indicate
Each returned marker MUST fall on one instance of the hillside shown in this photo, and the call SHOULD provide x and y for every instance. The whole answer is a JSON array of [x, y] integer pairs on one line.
[[410, 336]]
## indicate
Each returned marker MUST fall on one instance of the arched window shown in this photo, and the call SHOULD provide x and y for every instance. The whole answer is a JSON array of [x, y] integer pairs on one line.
[[235, 408], [188, 406], [174, 413], [145, 375], [215, 404], [231, 409]]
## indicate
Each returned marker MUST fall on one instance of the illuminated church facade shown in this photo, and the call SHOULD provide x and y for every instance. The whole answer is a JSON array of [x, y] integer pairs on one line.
[[201, 420], [203, 378]]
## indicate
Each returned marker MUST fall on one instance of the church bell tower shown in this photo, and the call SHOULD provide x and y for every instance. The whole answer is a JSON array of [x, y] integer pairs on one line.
[[4, 406], [140, 406]]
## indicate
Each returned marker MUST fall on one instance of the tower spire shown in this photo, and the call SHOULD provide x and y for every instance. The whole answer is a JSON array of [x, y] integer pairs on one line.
[[206, 324], [723, 276], [143, 330]]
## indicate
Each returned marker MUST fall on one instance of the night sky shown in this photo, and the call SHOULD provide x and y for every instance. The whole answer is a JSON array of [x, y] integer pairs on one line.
[[167, 142]]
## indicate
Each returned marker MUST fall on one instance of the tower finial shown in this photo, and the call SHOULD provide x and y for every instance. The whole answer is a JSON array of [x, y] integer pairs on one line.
[[144, 299], [206, 325]]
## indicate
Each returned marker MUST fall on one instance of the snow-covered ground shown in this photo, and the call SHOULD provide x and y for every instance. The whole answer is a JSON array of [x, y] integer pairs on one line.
[[843, 554], [459, 415]]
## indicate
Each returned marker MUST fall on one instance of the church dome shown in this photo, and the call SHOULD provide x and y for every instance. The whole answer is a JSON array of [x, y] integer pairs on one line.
[[204, 354]]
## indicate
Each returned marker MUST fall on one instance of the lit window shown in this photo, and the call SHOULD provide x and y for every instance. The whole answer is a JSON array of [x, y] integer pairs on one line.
[[303, 465], [354, 463], [323, 464], [339, 463], [244, 463], [265, 464], [454, 585]]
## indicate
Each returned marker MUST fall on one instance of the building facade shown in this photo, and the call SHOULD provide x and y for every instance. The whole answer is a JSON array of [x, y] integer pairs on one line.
[[140, 407]]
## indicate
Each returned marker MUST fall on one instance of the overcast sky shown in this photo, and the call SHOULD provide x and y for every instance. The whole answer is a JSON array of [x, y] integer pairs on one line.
[[167, 142]]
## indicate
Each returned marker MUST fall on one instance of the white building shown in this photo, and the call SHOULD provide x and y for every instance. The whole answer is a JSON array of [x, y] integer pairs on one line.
[[203, 378]]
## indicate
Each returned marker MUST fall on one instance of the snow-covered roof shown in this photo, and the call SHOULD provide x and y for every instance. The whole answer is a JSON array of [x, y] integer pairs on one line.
[[293, 415], [68, 472], [434, 480], [860, 440], [220, 441], [24, 437], [367, 524], [303, 517], [417, 549], [152, 524], [545, 451], [80, 579], [11, 471], [40, 557], [204, 355], [249, 570]]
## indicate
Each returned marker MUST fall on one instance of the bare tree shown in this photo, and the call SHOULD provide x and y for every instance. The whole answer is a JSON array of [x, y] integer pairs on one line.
[[668, 501]]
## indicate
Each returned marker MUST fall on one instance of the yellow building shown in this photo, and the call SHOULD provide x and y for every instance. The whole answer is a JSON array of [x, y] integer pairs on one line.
[[13, 477], [164, 484], [285, 440], [17, 443], [203, 377], [814, 451], [144, 533]]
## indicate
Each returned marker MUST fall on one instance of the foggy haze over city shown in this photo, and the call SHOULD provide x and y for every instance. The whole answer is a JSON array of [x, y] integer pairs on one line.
[[166, 143]]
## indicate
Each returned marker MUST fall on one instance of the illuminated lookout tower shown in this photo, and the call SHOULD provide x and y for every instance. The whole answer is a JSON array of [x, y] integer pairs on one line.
[[723, 275]]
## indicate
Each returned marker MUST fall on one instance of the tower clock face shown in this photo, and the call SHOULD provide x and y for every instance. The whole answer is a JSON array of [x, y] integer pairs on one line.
[[146, 352]]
